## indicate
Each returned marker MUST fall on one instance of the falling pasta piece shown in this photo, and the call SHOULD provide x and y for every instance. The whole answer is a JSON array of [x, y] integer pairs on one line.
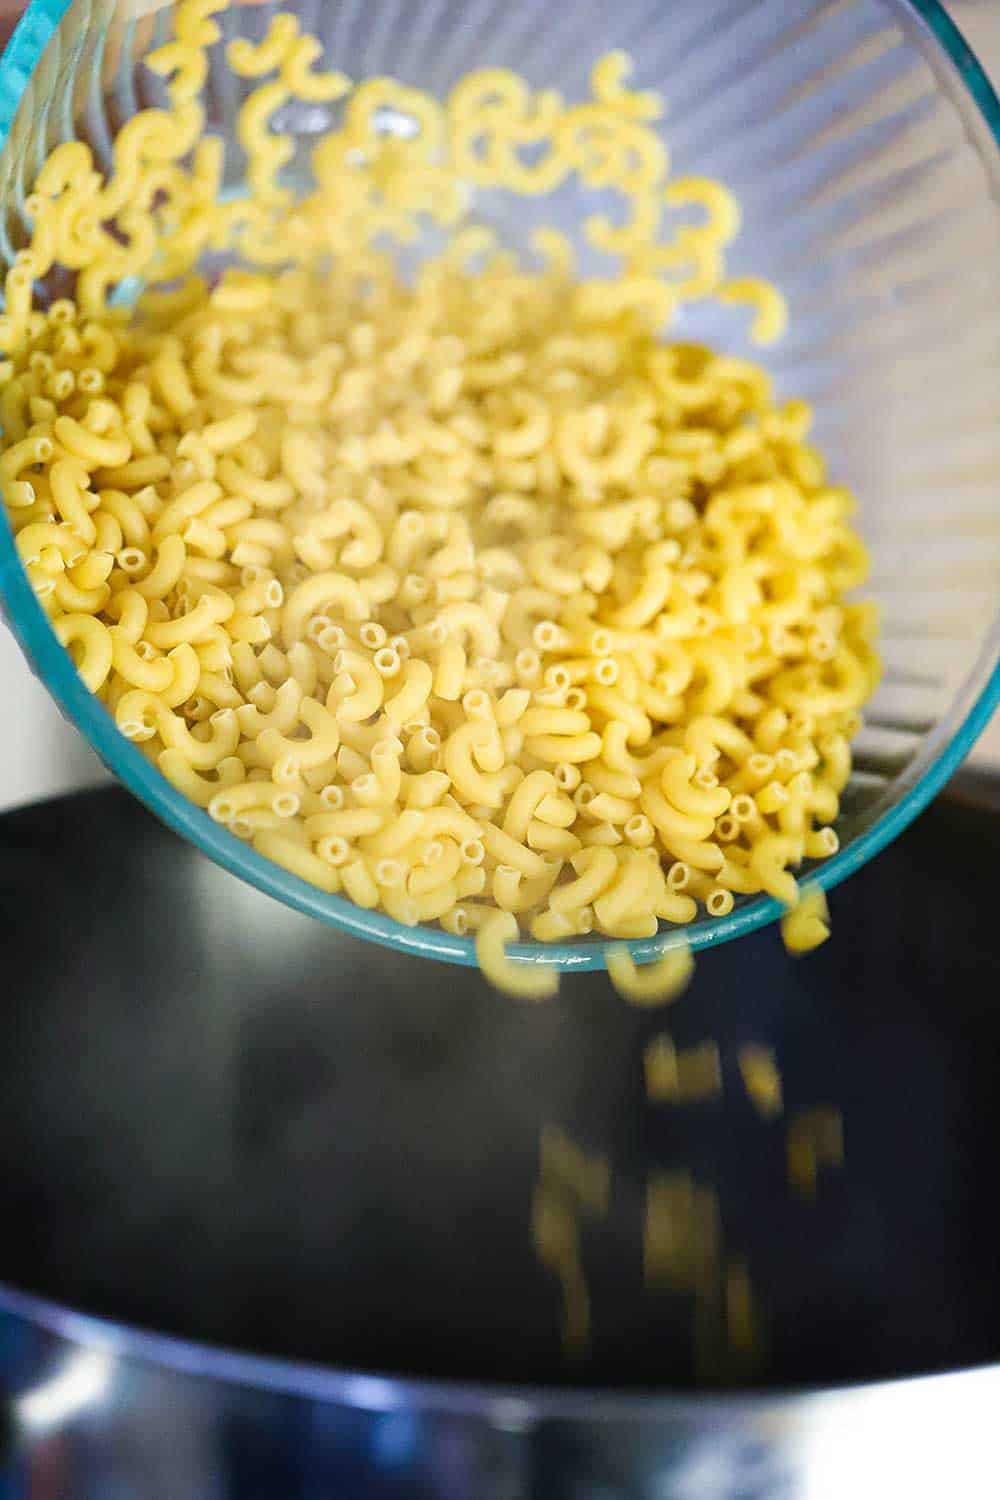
[[682, 1234], [741, 1319], [658, 983], [682, 1075], [554, 1228], [761, 1079], [815, 1140], [771, 310], [521, 981], [699, 1071], [555, 1234], [587, 1178], [722, 209], [668, 1229], [660, 1063], [807, 925]]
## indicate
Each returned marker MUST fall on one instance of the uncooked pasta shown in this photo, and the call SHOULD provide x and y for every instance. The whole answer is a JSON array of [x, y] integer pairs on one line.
[[467, 594]]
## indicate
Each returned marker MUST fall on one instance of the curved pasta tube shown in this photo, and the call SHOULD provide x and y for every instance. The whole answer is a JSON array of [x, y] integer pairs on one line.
[[323, 742], [197, 788], [154, 676], [381, 785], [171, 557], [38, 537], [525, 801], [94, 451], [350, 517], [196, 625], [708, 736], [298, 860], [618, 710], [231, 801], [803, 689], [96, 651], [493, 116], [449, 822], [471, 621], [527, 607], [592, 466], [595, 870], [70, 492], [807, 924], [769, 859], [531, 430], [542, 561], [413, 692], [836, 754], [191, 502], [631, 893], [522, 981], [770, 309], [283, 715], [696, 801], [685, 837], [255, 60], [513, 853], [186, 668], [316, 87], [425, 878], [473, 785], [131, 611], [516, 892], [203, 755], [722, 209], [315, 592], [558, 749], [357, 691], [36, 449], [648, 601], [659, 983], [355, 823]]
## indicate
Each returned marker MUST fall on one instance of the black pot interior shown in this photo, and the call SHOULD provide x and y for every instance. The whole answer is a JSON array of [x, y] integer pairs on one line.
[[221, 1120]]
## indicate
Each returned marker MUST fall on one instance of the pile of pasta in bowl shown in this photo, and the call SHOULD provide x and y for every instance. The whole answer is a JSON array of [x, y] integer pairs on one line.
[[467, 594]]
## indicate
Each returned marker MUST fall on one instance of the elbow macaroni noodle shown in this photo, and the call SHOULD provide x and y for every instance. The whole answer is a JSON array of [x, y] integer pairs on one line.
[[469, 598]]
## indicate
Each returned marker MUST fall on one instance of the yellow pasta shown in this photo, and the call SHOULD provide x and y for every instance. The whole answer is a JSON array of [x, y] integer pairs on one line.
[[539, 606], [807, 925], [682, 1075], [570, 1185], [525, 982], [682, 1233], [770, 310], [761, 1078], [658, 983], [815, 1139], [555, 1235], [586, 1178]]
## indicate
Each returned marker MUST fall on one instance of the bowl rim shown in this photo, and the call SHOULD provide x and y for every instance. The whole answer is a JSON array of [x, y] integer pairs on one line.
[[53, 665]]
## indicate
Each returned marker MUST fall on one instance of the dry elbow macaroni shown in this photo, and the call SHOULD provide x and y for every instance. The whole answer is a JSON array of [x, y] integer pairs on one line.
[[658, 983], [807, 924], [468, 597]]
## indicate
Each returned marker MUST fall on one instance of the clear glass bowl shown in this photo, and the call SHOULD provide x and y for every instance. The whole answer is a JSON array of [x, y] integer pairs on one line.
[[862, 139]]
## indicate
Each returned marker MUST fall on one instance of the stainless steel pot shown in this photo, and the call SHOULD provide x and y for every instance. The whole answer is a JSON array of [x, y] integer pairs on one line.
[[284, 1181]]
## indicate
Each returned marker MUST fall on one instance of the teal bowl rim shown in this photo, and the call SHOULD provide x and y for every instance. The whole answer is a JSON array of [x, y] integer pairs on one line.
[[54, 666]]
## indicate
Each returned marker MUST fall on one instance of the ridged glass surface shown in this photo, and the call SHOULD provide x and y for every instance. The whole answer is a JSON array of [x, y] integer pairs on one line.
[[861, 138]]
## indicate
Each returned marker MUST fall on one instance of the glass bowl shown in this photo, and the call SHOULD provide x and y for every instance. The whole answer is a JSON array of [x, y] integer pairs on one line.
[[861, 137]]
